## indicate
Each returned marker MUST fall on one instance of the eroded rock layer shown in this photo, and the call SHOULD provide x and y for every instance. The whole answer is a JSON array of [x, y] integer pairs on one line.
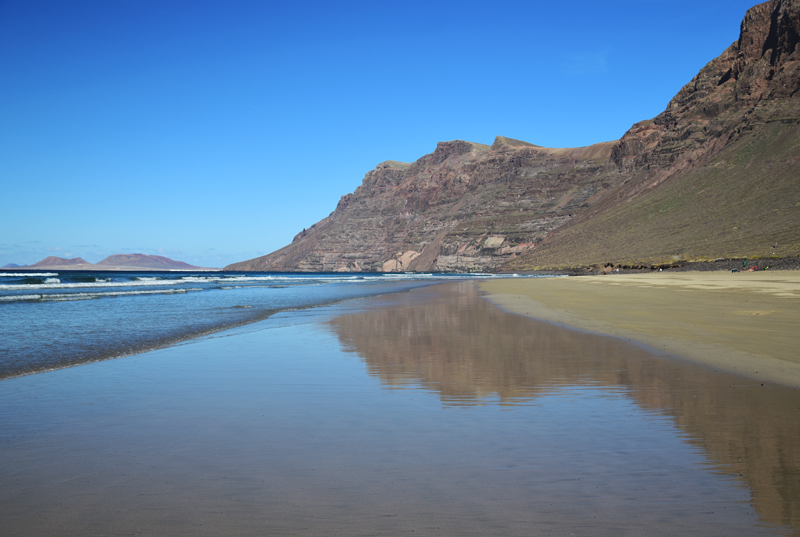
[[464, 207]]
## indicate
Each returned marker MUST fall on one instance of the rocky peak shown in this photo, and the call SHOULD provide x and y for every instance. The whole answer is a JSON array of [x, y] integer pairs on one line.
[[456, 148], [769, 36], [501, 143], [762, 65], [755, 29], [387, 174], [392, 165], [784, 30]]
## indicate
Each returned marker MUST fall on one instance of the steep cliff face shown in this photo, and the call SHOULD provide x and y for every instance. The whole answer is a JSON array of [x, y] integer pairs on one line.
[[693, 182], [464, 207], [760, 67], [716, 174]]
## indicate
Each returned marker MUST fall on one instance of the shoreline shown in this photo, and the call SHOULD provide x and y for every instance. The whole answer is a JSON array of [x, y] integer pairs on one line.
[[80, 320], [734, 264], [740, 323]]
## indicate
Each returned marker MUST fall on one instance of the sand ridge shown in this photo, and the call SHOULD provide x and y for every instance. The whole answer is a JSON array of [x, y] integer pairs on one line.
[[744, 323]]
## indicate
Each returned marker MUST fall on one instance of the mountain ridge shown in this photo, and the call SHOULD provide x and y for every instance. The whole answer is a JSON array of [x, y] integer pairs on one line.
[[714, 175]]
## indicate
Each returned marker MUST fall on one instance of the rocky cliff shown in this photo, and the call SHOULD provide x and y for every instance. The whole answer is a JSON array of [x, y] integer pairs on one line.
[[464, 207], [714, 175]]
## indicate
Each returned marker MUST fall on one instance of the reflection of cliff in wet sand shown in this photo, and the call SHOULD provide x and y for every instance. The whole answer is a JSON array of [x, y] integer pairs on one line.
[[468, 350]]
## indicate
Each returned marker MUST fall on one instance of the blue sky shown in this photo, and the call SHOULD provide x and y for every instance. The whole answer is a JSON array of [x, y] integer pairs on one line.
[[212, 132]]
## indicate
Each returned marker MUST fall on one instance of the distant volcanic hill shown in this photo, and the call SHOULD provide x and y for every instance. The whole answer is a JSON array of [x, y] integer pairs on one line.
[[115, 262], [53, 261], [142, 261], [717, 174]]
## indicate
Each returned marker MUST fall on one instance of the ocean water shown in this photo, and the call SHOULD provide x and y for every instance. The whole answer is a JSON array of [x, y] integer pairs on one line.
[[51, 320]]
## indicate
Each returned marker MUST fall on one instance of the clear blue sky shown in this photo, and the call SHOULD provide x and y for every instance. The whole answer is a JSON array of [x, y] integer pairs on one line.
[[214, 131]]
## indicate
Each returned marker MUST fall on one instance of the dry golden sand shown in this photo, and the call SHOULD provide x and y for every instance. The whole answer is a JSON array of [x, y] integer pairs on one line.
[[745, 323]]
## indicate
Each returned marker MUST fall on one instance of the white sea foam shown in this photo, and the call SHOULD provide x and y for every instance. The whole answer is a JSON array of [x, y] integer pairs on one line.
[[81, 285], [247, 281], [223, 279], [60, 297], [28, 275], [54, 283], [325, 278]]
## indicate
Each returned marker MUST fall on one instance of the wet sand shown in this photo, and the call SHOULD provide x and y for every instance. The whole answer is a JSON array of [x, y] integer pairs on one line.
[[743, 323], [431, 412]]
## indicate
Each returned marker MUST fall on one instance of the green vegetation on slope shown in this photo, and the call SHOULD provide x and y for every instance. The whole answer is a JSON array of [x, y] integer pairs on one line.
[[745, 203]]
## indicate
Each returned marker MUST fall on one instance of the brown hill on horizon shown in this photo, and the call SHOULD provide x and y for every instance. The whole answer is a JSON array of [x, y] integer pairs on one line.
[[145, 261], [115, 262], [715, 175], [52, 261]]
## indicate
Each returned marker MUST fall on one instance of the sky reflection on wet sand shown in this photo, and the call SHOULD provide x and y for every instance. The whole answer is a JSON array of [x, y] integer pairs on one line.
[[468, 421]]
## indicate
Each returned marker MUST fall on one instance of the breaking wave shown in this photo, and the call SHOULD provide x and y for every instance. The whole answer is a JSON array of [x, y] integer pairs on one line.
[[27, 274], [80, 285], [61, 297]]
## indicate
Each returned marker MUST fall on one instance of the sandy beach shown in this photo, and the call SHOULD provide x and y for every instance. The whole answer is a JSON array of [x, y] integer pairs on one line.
[[743, 323]]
